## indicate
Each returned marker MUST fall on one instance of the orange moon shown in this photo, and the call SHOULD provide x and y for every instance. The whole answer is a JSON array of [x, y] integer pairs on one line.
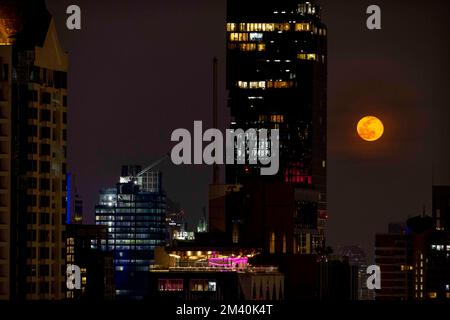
[[370, 128]]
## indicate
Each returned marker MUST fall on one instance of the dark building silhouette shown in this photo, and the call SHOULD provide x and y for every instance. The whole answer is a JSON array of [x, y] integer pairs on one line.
[[33, 150], [394, 253], [276, 77], [358, 261], [441, 207], [414, 261], [83, 244]]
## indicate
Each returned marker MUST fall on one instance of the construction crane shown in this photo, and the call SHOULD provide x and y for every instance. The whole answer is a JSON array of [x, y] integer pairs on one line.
[[136, 177], [150, 167]]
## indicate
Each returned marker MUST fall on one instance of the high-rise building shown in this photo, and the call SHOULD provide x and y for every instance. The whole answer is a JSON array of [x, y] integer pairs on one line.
[[33, 134], [394, 253], [441, 207], [276, 77], [414, 261], [135, 215]]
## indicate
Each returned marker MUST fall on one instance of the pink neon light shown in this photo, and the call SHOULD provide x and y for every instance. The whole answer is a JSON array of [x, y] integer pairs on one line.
[[227, 262]]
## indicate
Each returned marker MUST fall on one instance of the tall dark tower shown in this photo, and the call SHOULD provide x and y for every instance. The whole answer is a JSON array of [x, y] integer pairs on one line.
[[33, 149], [276, 77]]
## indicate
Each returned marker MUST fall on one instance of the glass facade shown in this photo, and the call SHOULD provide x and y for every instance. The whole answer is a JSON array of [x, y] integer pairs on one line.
[[135, 222]]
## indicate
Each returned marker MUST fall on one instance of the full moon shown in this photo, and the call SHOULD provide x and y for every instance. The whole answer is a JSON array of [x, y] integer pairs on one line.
[[370, 128]]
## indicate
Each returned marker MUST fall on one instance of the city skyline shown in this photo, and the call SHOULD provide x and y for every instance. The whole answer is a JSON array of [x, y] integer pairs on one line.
[[387, 83], [358, 140]]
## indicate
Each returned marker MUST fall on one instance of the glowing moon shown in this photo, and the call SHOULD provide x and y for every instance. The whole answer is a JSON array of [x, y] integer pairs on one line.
[[370, 128]]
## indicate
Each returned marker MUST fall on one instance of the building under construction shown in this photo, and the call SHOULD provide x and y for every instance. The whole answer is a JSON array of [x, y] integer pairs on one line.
[[134, 213]]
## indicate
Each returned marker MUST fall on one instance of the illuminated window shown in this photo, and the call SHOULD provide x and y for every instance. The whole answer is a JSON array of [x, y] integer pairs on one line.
[[261, 47], [262, 118], [302, 27], [308, 56], [247, 47], [170, 284], [432, 295], [256, 36], [238, 36], [282, 26], [231, 26], [212, 286], [277, 118], [202, 285], [297, 173], [256, 26], [272, 243], [83, 280], [280, 84], [243, 84], [284, 243], [252, 84]]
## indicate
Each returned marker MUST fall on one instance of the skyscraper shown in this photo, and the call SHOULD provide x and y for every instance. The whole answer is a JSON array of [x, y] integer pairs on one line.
[[33, 133], [134, 213], [276, 77]]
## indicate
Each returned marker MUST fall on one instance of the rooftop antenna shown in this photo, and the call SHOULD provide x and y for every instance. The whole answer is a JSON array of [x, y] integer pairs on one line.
[[216, 171]]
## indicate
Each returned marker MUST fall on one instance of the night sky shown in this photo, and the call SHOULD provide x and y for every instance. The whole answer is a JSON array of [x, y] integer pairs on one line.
[[140, 69]]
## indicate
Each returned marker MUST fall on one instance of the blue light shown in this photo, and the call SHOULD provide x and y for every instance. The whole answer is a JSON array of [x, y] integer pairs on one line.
[[68, 188]]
